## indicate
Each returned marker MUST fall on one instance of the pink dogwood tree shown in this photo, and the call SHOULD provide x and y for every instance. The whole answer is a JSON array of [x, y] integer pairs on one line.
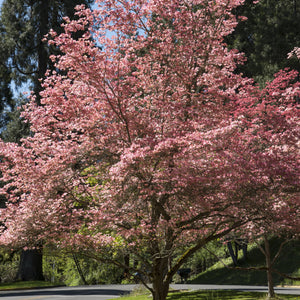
[[147, 142], [271, 118]]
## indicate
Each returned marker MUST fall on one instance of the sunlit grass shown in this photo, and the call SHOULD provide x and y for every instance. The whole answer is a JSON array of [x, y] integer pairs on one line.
[[222, 295], [24, 285], [213, 295]]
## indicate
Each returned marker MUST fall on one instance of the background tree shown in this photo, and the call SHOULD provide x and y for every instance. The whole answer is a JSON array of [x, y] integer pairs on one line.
[[24, 25], [270, 32], [24, 57], [6, 101], [24, 61], [275, 147]]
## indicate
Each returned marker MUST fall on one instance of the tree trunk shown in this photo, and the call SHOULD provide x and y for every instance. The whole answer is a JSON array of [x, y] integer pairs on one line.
[[42, 58], [160, 287], [127, 264], [232, 253], [271, 292], [31, 265], [79, 269]]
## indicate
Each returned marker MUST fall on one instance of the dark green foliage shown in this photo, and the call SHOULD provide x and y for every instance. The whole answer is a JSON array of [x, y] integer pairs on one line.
[[207, 256], [61, 268], [15, 129], [9, 262], [24, 24], [6, 100], [269, 34], [24, 58], [204, 259]]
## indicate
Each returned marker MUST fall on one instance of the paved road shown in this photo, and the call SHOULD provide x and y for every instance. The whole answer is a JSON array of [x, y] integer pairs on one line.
[[104, 292], [99, 292]]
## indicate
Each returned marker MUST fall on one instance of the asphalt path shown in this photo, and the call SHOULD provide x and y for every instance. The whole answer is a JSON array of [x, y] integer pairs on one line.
[[104, 292], [99, 292]]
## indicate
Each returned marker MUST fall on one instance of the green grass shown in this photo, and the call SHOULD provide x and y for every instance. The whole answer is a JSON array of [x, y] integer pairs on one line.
[[24, 285], [213, 295], [288, 262]]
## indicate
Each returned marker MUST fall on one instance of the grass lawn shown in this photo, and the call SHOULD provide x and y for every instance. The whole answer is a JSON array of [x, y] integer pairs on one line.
[[213, 295], [24, 285], [288, 263]]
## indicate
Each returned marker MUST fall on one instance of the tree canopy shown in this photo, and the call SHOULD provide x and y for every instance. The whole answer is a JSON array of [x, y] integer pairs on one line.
[[151, 143]]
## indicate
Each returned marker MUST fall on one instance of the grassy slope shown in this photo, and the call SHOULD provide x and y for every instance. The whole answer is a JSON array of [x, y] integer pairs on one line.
[[288, 262]]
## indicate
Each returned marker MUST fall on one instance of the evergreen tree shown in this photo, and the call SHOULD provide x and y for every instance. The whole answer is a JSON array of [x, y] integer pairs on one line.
[[16, 128], [6, 99], [24, 24], [267, 36]]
